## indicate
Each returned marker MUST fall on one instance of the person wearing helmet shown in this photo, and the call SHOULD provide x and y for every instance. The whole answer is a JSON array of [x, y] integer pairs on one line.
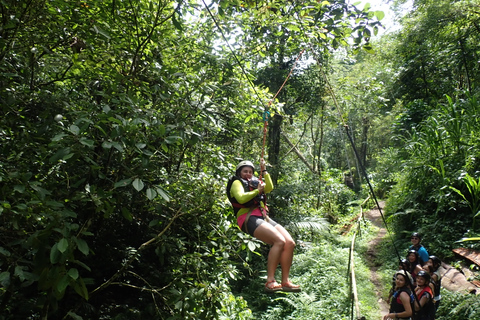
[[424, 307], [401, 304], [416, 238], [414, 261], [402, 265], [247, 195], [437, 278], [429, 269]]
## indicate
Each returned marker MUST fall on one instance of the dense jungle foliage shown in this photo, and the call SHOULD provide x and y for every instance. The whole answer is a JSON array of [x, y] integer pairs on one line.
[[121, 122]]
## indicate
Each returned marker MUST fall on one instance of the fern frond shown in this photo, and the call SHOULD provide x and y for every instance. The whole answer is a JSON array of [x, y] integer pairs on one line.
[[311, 224]]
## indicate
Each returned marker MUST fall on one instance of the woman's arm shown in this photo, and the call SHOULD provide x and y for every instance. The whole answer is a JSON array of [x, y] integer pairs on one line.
[[405, 298], [433, 289], [423, 300], [239, 193], [268, 183], [418, 268]]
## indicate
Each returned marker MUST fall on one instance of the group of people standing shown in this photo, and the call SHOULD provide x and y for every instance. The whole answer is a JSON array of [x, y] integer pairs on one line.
[[415, 292]]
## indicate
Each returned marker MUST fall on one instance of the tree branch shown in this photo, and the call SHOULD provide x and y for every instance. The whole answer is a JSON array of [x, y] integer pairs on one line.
[[299, 154]]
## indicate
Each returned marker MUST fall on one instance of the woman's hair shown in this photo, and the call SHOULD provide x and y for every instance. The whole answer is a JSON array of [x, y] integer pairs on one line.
[[429, 267]]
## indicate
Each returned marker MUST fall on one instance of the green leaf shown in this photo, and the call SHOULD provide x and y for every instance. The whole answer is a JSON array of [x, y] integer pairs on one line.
[[63, 284], [140, 145], [62, 245], [20, 188], [469, 239], [117, 146], [251, 246], [4, 252], [74, 316], [5, 279], [380, 15], [59, 137], [172, 139], [19, 273], [99, 30], [107, 144], [87, 142], [293, 28], [73, 273], [41, 191], [82, 246], [81, 264], [60, 154], [162, 130], [176, 23], [80, 288], [123, 183], [151, 194], [127, 214], [74, 129], [55, 204], [54, 254], [179, 305], [138, 184], [154, 222], [163, 193]]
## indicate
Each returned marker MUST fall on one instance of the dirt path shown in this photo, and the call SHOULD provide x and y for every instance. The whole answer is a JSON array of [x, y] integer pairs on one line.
[[374, 216], [452, 279]]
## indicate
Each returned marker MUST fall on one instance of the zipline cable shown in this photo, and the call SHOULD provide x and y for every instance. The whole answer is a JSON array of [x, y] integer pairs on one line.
[[266, 113], [362, 168], [364, 172], [233, 52]]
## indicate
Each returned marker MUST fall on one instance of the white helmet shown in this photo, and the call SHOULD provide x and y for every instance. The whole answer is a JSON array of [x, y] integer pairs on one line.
[[243, 164]]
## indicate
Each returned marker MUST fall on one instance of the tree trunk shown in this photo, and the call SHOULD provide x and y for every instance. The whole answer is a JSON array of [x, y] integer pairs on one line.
[[274, 129], [363, 151], [454, 280]]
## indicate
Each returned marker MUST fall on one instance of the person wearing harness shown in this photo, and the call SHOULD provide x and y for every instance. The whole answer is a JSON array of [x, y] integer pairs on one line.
[[415, 266], [436, 278], [402, 265], [401, 304], [416, 238], [247, 195], [424, 304]]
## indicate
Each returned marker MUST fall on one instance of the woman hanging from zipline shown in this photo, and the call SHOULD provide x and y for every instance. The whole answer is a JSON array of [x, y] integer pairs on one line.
[[247, 194]]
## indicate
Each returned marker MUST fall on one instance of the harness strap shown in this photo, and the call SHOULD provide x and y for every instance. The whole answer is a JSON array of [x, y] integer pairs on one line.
[[238, 205], [249, 213]]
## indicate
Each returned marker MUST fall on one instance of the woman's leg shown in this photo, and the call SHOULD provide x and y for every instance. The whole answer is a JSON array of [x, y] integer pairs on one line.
[[271, 235], [286, 258]]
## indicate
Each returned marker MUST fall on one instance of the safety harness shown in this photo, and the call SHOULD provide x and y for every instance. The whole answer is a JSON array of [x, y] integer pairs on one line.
[[256, 202]]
